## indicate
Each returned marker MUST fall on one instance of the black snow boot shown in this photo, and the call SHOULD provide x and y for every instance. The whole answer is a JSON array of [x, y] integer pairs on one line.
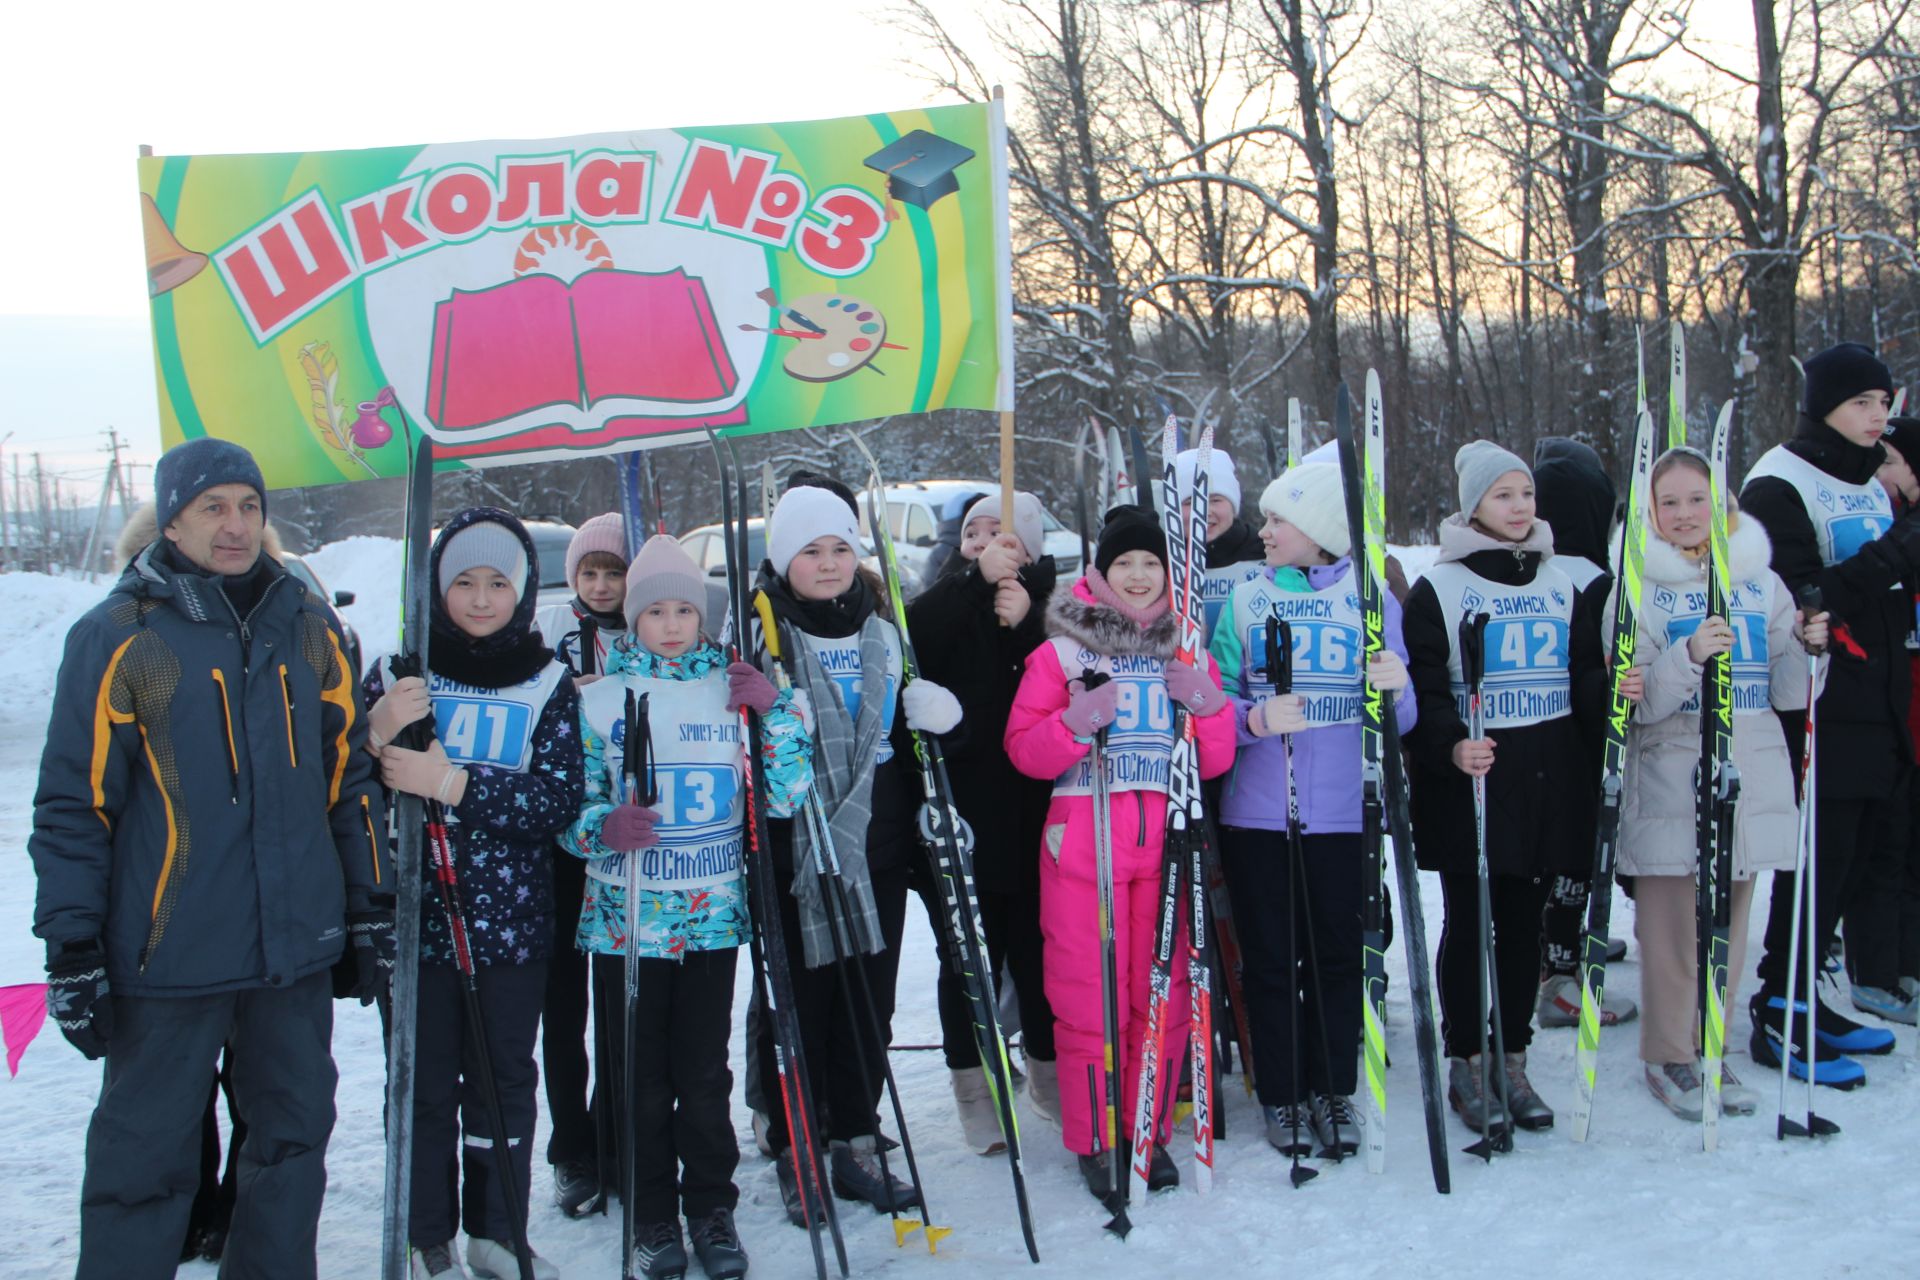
[[790, 1191], [717, 1245], [658, 1251], [856, 1175], [576, 1188], [1162, 1173], [1093, 1168]]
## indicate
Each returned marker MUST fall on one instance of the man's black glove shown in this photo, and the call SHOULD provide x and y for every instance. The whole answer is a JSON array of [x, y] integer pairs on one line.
[[373, 948], [77, 997]]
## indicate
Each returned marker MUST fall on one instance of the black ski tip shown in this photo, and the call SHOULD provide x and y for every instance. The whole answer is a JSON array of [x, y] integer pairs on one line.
[[1302, 1175]]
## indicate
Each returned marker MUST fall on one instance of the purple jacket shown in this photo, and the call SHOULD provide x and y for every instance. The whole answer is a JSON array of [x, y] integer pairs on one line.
[[1326, 761]]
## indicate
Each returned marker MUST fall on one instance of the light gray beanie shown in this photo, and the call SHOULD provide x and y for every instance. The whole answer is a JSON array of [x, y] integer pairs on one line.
[[485, 544], [664, 571], [1027, 525], [1479, 463]]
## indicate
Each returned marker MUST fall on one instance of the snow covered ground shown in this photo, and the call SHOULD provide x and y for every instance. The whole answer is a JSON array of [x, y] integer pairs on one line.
[[1640, 1199]]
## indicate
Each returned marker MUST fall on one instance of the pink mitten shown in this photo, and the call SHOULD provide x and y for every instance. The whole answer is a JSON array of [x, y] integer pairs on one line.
[[747, 687], [1193, 690], [1092, 704]]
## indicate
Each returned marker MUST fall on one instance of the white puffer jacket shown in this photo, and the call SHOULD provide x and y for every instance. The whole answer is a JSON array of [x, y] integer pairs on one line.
[[1657, 830]]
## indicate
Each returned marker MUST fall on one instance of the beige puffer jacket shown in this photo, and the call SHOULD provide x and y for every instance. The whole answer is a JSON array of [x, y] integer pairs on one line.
[[1657, 831]]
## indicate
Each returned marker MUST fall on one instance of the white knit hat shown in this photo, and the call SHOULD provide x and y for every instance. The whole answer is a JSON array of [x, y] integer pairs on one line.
[[1310, 498], [485, 544], [664, 571], [806, 513], [1222, 479], [1479, 463], [1027, 524]]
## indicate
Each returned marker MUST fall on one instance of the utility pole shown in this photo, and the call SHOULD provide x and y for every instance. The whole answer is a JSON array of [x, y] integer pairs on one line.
[[6, 532], [108, 484], [46, 531]]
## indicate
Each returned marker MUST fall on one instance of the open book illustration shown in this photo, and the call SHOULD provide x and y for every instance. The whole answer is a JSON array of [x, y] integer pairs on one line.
[[539, 341]]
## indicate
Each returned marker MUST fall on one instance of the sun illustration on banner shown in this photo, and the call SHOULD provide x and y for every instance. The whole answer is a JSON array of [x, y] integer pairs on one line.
[[566, 251]]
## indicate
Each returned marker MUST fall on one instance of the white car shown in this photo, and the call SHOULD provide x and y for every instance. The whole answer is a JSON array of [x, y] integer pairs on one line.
[[916, 507], [709, 550]]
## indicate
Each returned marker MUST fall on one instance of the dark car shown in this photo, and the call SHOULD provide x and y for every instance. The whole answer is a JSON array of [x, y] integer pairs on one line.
[[336, 601]]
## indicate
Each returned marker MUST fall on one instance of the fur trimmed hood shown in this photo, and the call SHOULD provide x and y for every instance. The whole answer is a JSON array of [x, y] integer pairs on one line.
[[1077, 616], [1749, 554], [1459, 539]]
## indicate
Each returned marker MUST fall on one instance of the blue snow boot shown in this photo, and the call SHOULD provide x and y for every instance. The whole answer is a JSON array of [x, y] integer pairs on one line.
[[1830, 1066], [1837, 1031]]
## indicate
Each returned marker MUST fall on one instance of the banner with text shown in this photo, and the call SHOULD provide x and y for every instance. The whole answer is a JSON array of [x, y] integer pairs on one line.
[[529, 300]]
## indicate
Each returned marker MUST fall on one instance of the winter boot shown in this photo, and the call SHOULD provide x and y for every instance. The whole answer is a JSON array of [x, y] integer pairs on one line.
[[658, 1251], [1678, 1086], [1530, 1110], [1616, 950], [1559, 1004], [1893, 1006], [576, 1187], [790, 1191], [1162, 1173], [1093, 1170], [718, 1246], [763, 1133], [974, 1101], [1289, 1129], [1335, 1125], [1463, 1092], [1735, 1098], [491, 1260], [1043, 1089], [436, 1262], [855, 1170], [1837, 1031], [1830, 1066]]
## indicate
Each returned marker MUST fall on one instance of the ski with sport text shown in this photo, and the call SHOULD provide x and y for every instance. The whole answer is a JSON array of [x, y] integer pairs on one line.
[[1719, 794], [1606, 850]]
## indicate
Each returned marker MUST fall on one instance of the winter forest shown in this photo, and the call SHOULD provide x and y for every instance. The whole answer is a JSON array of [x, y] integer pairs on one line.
[[1219, 204]]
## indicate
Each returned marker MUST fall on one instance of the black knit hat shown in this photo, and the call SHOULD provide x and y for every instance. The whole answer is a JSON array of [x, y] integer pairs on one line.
[[192, 467], [1128, 528], [1840, 373], [1903, 434]]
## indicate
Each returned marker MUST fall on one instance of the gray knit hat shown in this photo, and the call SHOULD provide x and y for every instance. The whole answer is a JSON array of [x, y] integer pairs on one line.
[[1479, 463], [664, 571], [1027, 524], [485, 544]]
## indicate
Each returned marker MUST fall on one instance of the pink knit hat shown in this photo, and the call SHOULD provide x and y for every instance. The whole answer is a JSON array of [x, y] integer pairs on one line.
[[664, 571], [602, 533]]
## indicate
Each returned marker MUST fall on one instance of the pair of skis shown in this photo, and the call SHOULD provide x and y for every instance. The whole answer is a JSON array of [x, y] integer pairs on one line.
[[949, 841], [1183, 849], [1383, 801], [420, 826]]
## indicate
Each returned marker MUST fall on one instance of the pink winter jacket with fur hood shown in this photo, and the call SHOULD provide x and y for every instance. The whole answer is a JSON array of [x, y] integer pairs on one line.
[[1039, 742]]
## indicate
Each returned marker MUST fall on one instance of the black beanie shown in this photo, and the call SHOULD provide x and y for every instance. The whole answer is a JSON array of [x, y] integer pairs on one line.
[[1128, 528], [1840, 373], [1903, 434]]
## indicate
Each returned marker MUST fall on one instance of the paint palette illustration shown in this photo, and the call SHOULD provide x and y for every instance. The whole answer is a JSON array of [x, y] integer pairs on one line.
[[834, 334]]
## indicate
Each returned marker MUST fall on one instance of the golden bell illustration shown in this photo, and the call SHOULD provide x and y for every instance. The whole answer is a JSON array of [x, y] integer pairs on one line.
[[170, 264]]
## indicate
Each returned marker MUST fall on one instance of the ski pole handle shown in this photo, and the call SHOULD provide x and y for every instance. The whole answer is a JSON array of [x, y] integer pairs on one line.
[[1280, 654], [1473, 649], [1809, 600]]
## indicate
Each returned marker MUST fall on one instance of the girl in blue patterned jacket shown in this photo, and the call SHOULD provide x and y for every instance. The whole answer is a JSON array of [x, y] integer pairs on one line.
[[683, 850], [504, 762]]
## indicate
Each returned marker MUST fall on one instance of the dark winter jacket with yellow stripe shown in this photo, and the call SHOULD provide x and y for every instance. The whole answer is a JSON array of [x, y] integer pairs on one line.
[[206, 808]]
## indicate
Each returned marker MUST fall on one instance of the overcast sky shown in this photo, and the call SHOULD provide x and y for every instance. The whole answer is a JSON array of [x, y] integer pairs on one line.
[[85, 86]]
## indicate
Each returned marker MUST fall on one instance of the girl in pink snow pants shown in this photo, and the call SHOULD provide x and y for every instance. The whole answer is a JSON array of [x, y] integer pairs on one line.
[[1114, 621]]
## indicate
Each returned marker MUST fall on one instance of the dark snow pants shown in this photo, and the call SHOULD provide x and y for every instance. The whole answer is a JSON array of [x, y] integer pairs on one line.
[[143, 1145], [1844, 835], [1517, 901], [450, 1118], [1011, 922], [563, 1023], [684, 1148], [1883, 913]]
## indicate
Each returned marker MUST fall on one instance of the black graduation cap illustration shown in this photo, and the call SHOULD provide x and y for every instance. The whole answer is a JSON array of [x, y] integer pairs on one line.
[[919, 168]]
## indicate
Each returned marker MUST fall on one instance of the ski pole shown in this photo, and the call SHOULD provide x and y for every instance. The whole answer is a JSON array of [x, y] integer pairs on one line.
[[1280, 674], [1473, 659], [1803, 891], [1117, 1159]]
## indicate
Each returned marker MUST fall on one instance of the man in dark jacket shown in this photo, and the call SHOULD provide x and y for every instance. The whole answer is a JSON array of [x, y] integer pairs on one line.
[[973, 630], [1575, 496], [204, 837]]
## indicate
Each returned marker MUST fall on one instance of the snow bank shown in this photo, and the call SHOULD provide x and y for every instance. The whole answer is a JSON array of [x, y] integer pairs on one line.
[[36, 611], [371, 568]]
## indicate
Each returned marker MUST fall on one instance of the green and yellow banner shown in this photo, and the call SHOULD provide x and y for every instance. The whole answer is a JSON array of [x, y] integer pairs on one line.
[[545, 299]]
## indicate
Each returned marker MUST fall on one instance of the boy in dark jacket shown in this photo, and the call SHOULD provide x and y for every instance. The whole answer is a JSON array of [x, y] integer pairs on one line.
[[1833, 528], [505, 763]]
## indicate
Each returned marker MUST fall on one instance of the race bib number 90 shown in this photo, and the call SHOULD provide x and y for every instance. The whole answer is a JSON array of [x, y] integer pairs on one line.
[[483, 730], [1144, 707]]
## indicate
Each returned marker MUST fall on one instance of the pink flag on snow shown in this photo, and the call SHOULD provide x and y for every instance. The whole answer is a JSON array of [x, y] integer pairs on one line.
[[22, 1011]]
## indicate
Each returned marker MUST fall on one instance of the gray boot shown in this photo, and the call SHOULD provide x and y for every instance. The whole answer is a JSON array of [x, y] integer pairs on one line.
[[1336, 1126], [1463, 1091], [1289, 1129], [1530, 1110]]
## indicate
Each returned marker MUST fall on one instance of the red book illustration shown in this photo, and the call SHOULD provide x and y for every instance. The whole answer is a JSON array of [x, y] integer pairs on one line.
[[538, 341]]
